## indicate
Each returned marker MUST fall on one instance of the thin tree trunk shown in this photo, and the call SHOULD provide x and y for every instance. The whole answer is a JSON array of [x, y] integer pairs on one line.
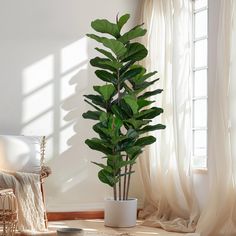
[[114, 192], [125, 179], [120, 186], [129, 176]]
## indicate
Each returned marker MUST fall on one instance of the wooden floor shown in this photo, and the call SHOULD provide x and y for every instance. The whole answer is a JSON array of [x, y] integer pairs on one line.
[[96, 227]]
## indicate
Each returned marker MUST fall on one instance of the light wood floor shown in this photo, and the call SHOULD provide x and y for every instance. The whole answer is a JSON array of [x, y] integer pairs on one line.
[[96, 227]]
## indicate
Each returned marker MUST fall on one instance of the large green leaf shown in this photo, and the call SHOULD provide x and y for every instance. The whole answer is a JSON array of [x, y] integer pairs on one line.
[[132, 102], [105, 76], [122, 21], [145, 141], [135, 52], [149, 128], [137, 124], [98, 145], [106, 53], [117, 47], [131, 74], [133, 151], [107, 91], [119, 112], [107, 178], [97, 100], [143, 103], [91, 104], [132, 34], [105, 26], [142, 78], [96, 37], [107, 168], [140, 87], [149, 114], [151, 93], [92, 115], [105, 64]]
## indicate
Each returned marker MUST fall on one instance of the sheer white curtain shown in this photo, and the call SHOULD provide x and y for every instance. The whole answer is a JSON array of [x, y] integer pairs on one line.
[[219, 215], [166, 167], [166, 170]]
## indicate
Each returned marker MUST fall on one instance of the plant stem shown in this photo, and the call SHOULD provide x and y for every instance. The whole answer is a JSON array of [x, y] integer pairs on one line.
[[114, 192], [129, 176], [119, 186], [125, 179]]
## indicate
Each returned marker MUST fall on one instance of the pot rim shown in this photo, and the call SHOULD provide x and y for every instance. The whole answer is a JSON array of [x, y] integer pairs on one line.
[[111, 199]]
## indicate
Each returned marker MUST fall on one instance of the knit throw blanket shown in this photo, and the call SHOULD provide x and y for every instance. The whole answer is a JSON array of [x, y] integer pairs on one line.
[[27, 189]]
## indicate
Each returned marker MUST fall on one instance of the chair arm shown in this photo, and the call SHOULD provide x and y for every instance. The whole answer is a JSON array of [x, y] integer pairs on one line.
[[45, 171]]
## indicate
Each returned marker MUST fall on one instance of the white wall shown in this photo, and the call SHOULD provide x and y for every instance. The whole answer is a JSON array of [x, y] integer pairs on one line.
[[44, 72]]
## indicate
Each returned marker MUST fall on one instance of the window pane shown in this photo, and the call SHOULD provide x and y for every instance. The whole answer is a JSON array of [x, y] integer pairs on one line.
[[199, 162], [201, 24], [200, 83], [200, 113], [200, 58], [200, 4], [200, 142]]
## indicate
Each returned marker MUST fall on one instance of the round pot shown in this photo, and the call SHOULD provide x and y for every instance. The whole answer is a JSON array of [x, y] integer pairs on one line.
[[120, 213]]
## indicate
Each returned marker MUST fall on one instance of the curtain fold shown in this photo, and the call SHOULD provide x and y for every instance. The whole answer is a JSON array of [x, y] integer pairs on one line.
[[166, 166]]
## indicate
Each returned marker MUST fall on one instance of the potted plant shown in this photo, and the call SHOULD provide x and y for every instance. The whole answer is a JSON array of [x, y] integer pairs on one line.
[[122, 110]]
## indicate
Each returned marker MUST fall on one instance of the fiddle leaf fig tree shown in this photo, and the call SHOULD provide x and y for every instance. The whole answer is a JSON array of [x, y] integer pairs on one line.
[[121, 104]]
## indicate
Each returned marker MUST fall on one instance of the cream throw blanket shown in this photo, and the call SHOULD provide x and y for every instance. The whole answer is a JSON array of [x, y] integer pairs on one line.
[[27, 189]]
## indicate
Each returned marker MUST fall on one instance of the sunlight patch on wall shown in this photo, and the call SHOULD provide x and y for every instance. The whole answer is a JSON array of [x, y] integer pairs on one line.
[[38, 74], [42, 125], [74, 54], [65, 135], [37, 103]]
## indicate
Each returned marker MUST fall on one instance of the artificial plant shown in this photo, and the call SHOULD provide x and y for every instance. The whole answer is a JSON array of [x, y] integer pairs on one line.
[[121, 106]]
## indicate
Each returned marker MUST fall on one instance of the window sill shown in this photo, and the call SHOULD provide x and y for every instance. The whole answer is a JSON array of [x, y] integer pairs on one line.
[[202, 171]]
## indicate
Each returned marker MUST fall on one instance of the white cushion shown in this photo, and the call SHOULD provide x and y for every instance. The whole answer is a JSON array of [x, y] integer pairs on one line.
[[20, 153]]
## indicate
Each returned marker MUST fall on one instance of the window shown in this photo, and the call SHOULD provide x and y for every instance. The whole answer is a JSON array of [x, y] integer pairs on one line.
[[199, 92]]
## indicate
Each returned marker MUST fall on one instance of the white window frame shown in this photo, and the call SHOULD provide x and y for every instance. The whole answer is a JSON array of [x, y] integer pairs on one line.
[[198, 161]]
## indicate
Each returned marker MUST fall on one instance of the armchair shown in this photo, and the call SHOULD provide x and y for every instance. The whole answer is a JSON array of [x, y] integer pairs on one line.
[[22, 158]]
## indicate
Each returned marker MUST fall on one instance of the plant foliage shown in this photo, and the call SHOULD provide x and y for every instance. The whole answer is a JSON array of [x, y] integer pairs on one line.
[[121, 107]]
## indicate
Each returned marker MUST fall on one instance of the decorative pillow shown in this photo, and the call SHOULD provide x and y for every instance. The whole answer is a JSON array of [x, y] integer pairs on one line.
[[20, 153]]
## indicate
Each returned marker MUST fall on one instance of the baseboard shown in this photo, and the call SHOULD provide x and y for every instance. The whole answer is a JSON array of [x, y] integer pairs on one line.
[[79, 215]]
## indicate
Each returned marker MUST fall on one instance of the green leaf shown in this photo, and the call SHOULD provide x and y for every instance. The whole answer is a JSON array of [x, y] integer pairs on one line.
[[145, 141], [152, 93], [106, 53], [105, 26], [117, 47], [105, 76], [122, 21], [97, 100], [132, 102], [144, 77], [142, 86], [133, 152], [105, 64], [135, 52], [92, 115], [107, 168], [98, 145], [107, 91], [103, 116], [96, 37], [149, 128], [136, 124], [91, 104], [149, 114], [107, 178], [131, 74], [132, 34], [118, 112], [143, 103]]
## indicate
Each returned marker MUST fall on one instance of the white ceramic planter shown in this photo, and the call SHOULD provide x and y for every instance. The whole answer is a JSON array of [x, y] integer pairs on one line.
[[120, 213]]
